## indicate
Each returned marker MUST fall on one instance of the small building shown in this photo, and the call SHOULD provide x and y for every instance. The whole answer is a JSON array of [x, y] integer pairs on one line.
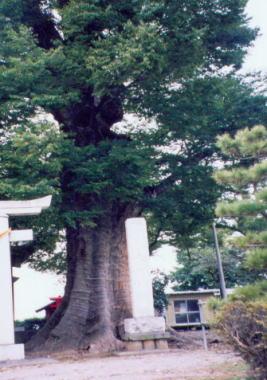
[[51, 307], [183, 309]]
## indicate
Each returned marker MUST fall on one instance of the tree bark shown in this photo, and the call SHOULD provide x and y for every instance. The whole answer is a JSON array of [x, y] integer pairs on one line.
[[97, 293]]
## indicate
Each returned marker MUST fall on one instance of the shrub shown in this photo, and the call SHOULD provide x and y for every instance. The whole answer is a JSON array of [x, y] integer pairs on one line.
[[244, 324], [215, 304], [31, 326], [252, 292]]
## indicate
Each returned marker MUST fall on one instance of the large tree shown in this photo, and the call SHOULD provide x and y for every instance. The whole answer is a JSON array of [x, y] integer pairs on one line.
[[81, 65]]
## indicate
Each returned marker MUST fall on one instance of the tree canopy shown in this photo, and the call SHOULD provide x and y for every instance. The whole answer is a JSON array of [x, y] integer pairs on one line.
[[70, 71]]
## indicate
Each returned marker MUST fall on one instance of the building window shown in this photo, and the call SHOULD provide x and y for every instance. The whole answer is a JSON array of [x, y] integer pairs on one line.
[[186, 312]]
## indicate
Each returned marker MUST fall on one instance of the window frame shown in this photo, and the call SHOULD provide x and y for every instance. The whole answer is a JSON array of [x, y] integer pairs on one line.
[[187, 313]]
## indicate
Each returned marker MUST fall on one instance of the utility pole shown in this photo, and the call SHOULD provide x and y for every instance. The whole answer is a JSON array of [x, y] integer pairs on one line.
[[219, 263]]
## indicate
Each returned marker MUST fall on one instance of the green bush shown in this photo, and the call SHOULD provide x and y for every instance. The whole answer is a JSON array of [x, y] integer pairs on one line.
[[244, 324], [252, 292], [215, 304], [31, 324]]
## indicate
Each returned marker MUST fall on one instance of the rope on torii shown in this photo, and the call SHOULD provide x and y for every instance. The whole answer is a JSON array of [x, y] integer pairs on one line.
[[7, 232]]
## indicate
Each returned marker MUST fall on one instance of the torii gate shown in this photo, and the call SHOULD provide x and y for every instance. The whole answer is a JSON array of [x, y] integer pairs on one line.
[[8, 349]]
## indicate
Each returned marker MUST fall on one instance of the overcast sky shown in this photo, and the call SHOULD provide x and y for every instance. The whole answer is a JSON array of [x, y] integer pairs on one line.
[[257, 55], [33, 289]]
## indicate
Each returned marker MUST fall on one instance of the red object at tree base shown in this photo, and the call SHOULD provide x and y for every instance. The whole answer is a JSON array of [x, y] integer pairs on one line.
[[51, 307]]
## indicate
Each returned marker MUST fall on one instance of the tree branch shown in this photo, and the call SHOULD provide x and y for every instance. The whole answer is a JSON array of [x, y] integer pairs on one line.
[[42, 22], [155, 240]]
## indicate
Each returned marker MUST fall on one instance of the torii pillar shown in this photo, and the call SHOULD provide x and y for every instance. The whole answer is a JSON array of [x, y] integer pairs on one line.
[[8, 349]]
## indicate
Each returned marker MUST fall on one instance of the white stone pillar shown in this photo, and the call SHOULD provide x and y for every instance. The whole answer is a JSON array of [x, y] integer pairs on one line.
[[143, 326], [6, 303], [8, 350], [140, 277]]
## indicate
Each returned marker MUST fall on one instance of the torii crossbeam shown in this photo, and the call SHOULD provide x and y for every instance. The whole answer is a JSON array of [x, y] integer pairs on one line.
[[8, 350]]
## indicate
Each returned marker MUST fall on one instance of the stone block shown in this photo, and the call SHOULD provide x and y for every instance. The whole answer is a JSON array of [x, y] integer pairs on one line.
[[143, 328], [11, 352], [149, 344], [134, 345], [162, 344]]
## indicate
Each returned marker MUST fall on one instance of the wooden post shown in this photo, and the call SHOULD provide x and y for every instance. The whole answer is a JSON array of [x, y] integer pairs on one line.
[[203, 328]]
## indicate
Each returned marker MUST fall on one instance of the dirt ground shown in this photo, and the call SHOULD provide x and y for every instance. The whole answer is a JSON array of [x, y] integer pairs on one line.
[[170, 365], [185, 360]]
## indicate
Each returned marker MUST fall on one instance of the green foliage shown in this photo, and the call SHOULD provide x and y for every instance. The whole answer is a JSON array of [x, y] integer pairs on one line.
[[215, 304], [252, 292], [257, 258], [246, 177], [31, 155], [126, 56], [205, 107], [32, 324], [159, 283], [87, 63], [245, 144], [197, 266], [243, 319], [245, 327], [242, 177], [31, 159], [31, 327], [98, 170]]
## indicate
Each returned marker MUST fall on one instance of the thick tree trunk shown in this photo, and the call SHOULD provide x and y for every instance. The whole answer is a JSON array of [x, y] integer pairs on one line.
[[97, 295]]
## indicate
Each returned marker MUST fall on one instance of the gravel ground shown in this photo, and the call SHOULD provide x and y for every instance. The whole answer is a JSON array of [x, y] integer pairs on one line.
[[170, 365]]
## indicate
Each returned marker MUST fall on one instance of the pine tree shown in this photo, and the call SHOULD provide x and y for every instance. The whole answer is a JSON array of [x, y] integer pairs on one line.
[[84, 64], [243, 319], [245, 178]]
